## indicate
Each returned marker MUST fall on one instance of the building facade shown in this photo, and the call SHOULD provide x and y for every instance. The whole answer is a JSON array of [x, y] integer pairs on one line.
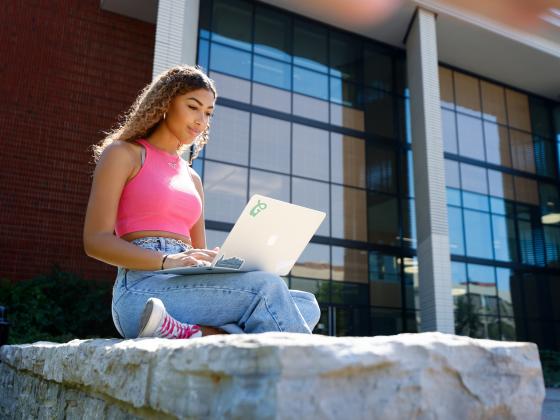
[[429, 140]]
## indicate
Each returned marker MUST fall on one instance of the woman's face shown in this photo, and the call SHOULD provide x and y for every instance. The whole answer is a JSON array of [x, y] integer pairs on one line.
[[189, 114]]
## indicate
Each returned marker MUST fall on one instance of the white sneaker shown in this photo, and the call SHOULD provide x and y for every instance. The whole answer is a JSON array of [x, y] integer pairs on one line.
[[156, 322]]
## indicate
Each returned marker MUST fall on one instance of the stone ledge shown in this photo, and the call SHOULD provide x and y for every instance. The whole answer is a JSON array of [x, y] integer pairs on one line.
[[277, 375]]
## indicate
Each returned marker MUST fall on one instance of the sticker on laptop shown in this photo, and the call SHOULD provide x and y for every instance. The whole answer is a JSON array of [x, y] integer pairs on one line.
[[233, 262], [257, 209]]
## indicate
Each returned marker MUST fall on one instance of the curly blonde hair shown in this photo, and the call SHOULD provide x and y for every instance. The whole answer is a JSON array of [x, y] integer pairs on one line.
[[147, 111]]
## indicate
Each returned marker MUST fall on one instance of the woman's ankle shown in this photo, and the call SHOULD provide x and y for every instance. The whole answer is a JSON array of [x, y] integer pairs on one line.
[[207, 330]]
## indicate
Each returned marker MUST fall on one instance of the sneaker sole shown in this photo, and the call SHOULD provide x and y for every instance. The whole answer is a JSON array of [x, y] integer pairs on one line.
[[153, 312]]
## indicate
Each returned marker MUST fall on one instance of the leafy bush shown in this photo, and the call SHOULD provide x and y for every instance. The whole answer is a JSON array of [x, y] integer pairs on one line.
[[550, 361], [57, 307]]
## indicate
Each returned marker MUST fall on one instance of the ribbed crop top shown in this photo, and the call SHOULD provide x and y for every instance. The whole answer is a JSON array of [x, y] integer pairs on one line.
[[159, 197]]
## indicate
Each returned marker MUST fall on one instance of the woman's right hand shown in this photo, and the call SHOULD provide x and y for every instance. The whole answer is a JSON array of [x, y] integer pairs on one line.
[[191, 258]]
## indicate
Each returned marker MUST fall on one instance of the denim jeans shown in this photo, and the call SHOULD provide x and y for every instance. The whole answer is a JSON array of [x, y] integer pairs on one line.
[[247, 302]]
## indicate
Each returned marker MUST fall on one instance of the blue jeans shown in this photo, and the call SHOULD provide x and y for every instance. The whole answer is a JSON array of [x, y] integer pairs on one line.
[[248, 302]]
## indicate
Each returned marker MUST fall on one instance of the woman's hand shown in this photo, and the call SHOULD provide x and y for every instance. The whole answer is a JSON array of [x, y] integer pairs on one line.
[[191, 258]]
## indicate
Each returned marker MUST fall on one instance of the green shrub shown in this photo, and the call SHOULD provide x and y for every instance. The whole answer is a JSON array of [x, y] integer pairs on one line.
[[57, 307], [550, 361]]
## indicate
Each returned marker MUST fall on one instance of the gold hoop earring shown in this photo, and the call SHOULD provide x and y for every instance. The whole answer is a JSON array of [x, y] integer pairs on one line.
[[164, 115]]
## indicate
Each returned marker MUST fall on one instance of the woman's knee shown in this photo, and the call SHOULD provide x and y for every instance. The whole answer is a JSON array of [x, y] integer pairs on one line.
[[264, 281]]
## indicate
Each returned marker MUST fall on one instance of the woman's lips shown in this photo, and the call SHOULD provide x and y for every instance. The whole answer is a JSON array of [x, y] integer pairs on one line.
[[196, 133]]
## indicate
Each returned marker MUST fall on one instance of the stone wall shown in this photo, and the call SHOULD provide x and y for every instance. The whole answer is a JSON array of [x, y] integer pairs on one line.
[[274, 375]]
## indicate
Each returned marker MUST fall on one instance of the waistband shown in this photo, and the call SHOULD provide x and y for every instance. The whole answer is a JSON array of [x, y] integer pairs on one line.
[[162, 240]]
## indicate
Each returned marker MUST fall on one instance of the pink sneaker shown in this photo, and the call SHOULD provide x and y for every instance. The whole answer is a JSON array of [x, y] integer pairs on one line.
[[156, 322]]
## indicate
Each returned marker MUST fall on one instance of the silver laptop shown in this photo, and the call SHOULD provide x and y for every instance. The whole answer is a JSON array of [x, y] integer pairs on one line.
[[269, 235]]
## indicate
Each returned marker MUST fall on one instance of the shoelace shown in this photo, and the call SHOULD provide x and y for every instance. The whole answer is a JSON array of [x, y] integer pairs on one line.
[[171, 328]]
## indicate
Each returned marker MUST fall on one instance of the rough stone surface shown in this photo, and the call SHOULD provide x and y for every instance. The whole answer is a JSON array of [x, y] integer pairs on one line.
[[274, 375]]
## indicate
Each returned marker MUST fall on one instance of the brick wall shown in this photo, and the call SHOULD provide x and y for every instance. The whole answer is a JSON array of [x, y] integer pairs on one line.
[[67, 71]]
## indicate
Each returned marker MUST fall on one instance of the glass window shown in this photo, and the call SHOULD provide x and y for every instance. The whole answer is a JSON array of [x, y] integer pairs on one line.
[[446, 87], [314, 262], [349, 213], [311, 152], [407, 174], [204, 19], [310, 45], [544, 156], [229, 124], [272, 72], [311, 83], [452, 178], [383, 220], [225, 191], [269, 184], [272, 33], [503, 277], [347, 117], [344, 92], [411, 283], [345, 56], [482, 283], [378, 68], [449, 131], [453, 196], [550, 201], [409, 223], [270, 143], [473, 178], [552, 240], [468, 95], [381, 168], [518, 110], [526, 244], [540, 118], [203, 54], [349, 264], [526, 190], [272, 98], [308, 107], [352, 321], [497, 144], [379, 113], [456, 239], [501, 184], [386, 321], [232, 23], [522, 153], [348, 160], [471, 141], [230, 60], [401, 82], [232, 87], [505, 240], [384, 280], [493, 102], [320, 288], [215, 238], [314, 195], [475, 201], [478, 234], [459, 286]]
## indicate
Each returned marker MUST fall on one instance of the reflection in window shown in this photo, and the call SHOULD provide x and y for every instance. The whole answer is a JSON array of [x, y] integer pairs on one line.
[[452, 178], [232, 87], [409, 223], [272, 98], [320, 288], [352, 321], [526, 190], [526, 242], [311, 83], [314, 262], [272, 72], [229, 124], [471, 142], [381, 168], [493, 102], [446, 87], [540, 118], [522, 153], [379, 113], [497, 144], [459, 284], [344, 92], [456, 241], [473, 178], [311, 152], [232, 23], [347, 117], [345, 56], [349, 264], [270, 143], [230, 60], [501, 184], [468, 95], [386, 321], [407, 174], [225, 191], [215, 238], [348, 213], [504, 291], [310, 45], [272, 33], [378, 69], [552, 240], [518, 110], [348, 160], [271, 185], [483, 285], [449, 131], [308, 107], [384, 280], [382, 216], [411, 283], [314, 195], [505, 239], [478, 234]]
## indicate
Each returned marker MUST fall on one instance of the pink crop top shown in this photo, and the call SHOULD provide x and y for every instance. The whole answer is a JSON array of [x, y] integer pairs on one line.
[[159, 197]]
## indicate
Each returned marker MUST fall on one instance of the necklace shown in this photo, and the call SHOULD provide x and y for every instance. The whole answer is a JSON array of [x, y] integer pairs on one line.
[[173, 164]]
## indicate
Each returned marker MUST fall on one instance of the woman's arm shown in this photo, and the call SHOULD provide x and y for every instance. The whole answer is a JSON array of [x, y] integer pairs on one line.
[[111, 173]]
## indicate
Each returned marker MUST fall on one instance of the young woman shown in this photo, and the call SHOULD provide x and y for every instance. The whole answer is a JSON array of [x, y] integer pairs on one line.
[[146, 213]]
